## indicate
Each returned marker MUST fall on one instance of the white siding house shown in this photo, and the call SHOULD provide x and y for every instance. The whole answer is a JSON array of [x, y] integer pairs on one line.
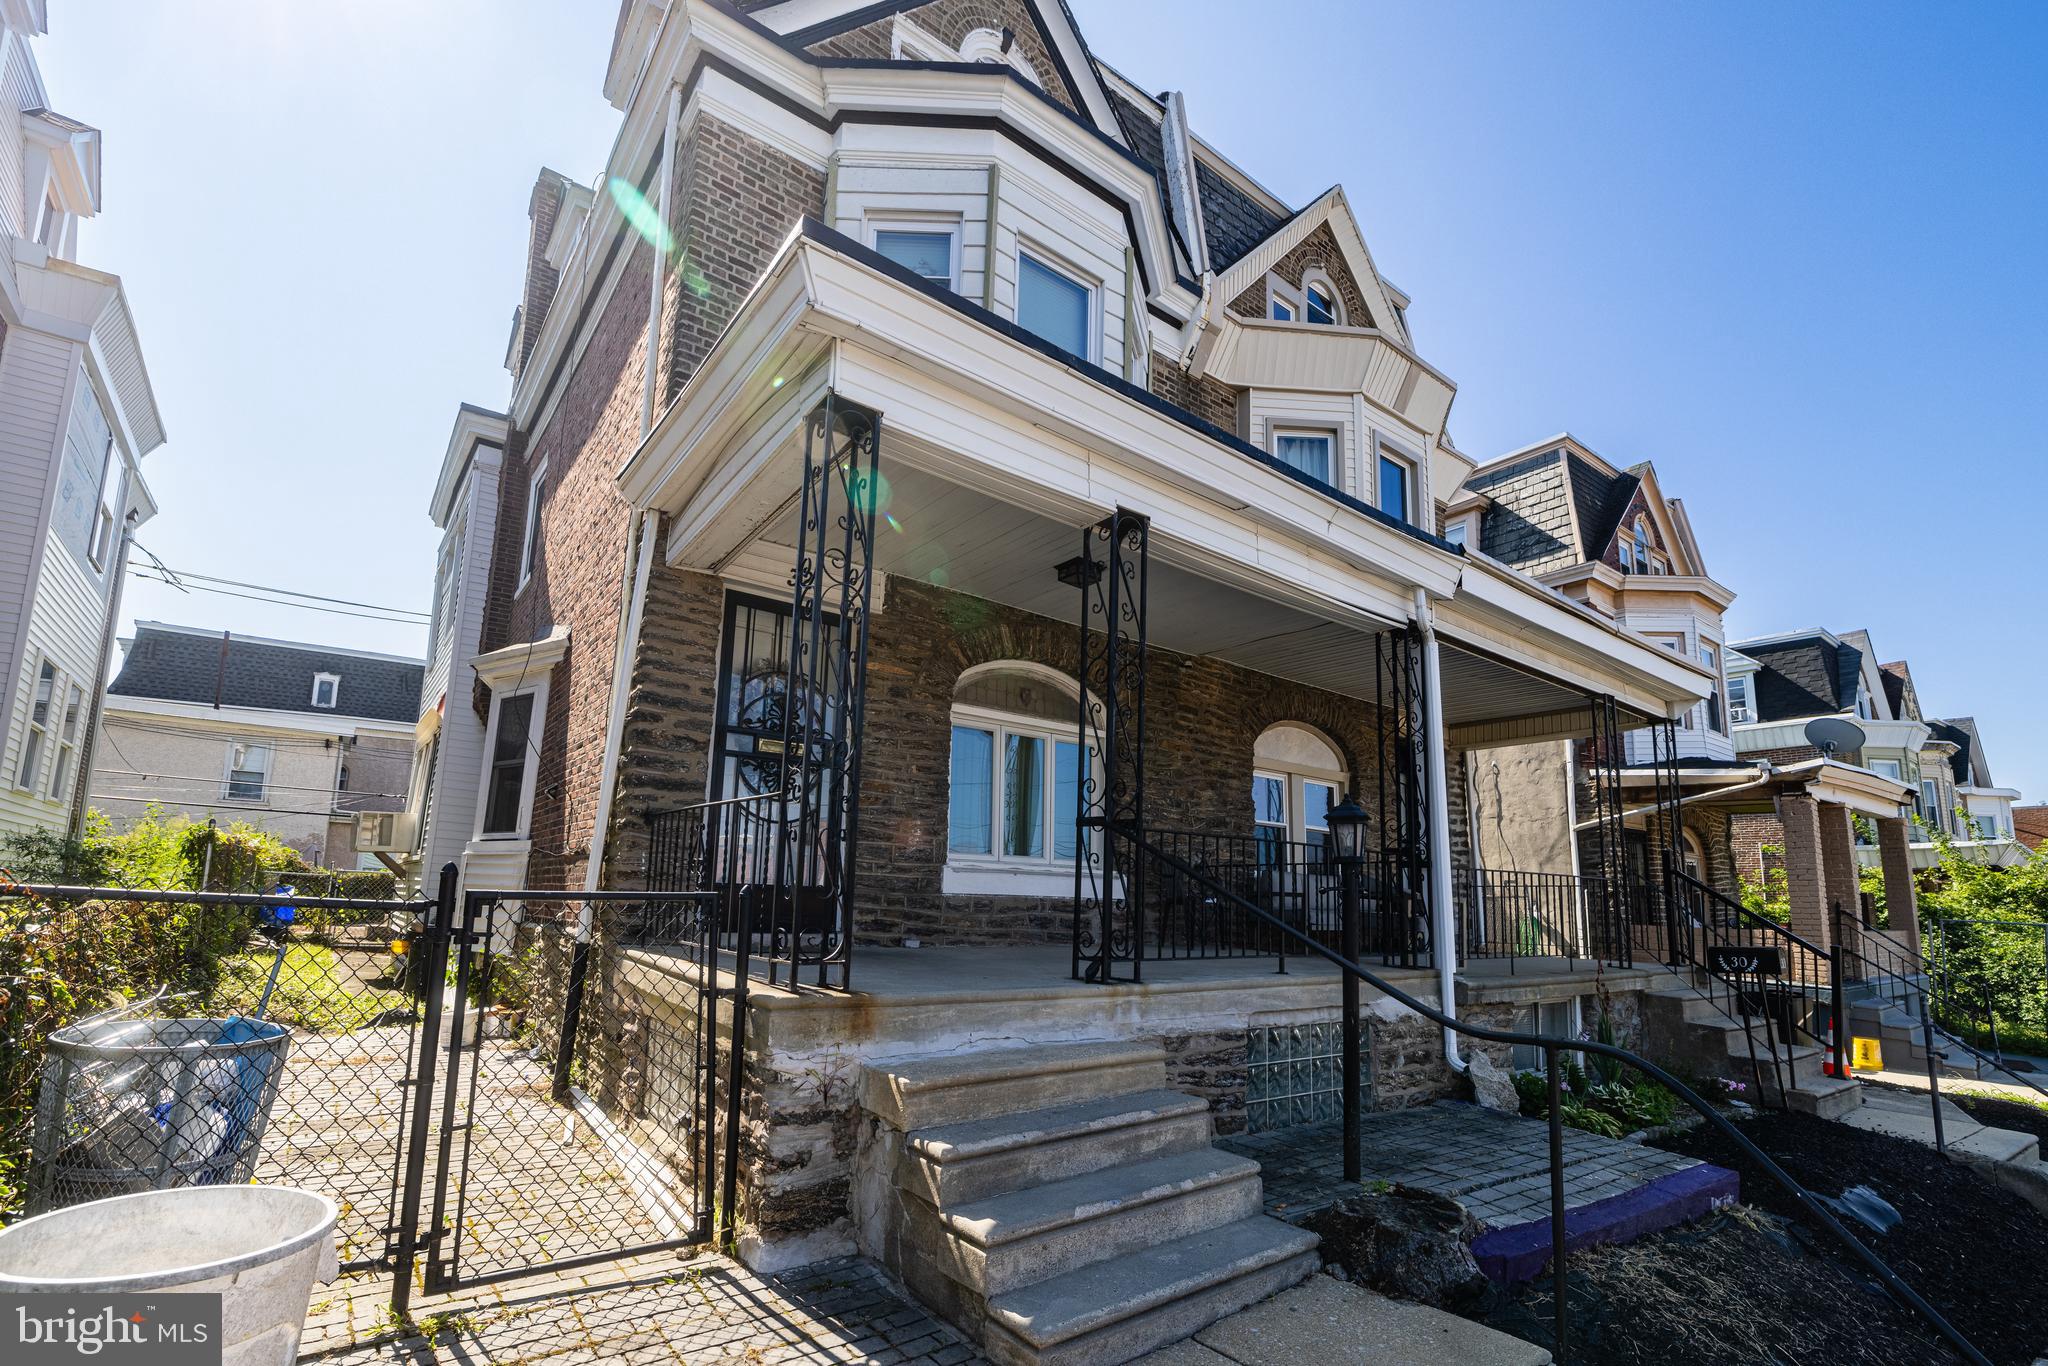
[[76, 417]]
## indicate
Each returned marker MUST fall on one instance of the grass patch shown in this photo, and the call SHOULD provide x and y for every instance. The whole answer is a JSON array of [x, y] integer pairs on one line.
[[317, 990]]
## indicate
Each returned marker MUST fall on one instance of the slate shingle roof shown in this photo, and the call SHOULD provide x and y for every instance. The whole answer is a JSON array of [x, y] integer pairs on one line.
[[176, 665], [1232, 221], [1808, 676], [1530, 523]]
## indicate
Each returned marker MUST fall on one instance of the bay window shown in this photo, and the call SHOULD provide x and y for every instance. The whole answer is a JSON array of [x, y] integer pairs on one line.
[[1309, 452], [1055, 306]]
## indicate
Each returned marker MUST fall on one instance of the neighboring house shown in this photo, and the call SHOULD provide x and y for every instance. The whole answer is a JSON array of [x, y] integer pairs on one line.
[[448, 738], [2030, 825], [1789, 681], [76, 417], [292, 738]]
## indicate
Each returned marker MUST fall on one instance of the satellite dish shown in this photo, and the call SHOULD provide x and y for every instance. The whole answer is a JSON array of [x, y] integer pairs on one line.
[[1830, 734]]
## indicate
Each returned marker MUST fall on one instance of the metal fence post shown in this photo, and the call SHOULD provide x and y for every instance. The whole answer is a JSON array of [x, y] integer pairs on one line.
[[1933, 1075], [1551, 1066], [1840, 1032], [572, 1015], [435, 946], [1353, 1069]]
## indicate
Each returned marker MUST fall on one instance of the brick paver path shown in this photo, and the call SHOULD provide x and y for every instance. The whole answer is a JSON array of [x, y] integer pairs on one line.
[[705, 1311], [1497, 1166]]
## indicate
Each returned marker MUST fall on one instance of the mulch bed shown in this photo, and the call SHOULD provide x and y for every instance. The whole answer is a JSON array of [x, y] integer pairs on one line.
[[1738, 1286], [2003, 1114], [1765, 1282], [1957, 1238]]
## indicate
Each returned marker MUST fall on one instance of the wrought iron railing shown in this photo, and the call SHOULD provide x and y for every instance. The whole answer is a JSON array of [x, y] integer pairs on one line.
[[1884, 970], [1292, 881], [778, 917], [1756, 971], [1515, 915], [1355, 972]]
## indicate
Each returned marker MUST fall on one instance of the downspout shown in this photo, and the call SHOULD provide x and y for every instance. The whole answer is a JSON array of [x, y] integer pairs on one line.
[[1439, 828], [96, 714], [638, 569]]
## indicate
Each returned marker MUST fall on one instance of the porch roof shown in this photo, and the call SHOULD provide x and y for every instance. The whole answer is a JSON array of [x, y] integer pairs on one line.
[[999, 450]]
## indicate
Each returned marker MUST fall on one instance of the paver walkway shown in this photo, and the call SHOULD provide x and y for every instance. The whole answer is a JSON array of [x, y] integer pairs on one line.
[[703, 1311], [1497, 1166]]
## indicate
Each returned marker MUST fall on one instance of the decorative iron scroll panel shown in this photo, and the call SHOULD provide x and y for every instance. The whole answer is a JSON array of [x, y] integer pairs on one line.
[[1619, 916], [1403, 782], [1109, 887], [831, 588]]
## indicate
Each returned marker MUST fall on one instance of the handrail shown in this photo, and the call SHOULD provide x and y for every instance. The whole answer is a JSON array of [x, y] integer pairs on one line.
[[1939, 994], [1898, 1288]]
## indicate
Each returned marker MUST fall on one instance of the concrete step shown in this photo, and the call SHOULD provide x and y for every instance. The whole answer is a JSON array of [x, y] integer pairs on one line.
[[923, 1092], [951, 1164], [1117, 1310], [1009, 1241], [1827, 1097]]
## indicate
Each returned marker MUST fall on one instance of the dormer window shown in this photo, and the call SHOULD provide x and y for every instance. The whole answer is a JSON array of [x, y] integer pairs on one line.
[[1282, 310], [326, 691], [1642, 546], [53, 220], [1319, 302], [1309, 452], [928, 250]]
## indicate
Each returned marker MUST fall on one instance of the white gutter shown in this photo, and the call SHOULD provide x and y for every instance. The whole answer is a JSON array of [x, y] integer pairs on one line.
[[646, 527], [1771, 775], [1441, 912]]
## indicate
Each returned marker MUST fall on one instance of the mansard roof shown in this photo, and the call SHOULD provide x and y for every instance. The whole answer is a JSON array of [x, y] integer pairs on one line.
[[188, 664]]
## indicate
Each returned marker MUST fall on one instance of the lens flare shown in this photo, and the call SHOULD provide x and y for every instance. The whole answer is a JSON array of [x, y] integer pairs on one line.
[[894, 525], [644, 217]]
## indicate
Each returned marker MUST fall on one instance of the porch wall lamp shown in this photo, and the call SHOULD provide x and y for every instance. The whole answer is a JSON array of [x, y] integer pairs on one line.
[[1347, 823]]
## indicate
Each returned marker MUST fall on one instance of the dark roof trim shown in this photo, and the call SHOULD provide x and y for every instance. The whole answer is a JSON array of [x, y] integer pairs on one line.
[[815, 231]]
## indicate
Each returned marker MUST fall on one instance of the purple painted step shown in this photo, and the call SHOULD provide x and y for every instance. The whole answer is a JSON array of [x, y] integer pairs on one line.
[[1521, 1251]]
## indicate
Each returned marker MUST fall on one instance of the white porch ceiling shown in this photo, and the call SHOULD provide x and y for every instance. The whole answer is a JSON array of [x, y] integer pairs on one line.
[[936, 531]]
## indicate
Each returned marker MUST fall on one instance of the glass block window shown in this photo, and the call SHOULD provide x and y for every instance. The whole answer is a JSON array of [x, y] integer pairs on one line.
[[1294, 1075]]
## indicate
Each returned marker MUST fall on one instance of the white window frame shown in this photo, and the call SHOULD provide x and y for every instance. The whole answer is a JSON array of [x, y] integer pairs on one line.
[[333, 697], [529, 773], [1320, 280], [1333, 437], [1072, 274], [69, 723], [938, 225], [227, 773], [984, 46], [28, 769], [996, 873], [1705, 648], [529, 540], [1294, 778], [1745, 707], [1384, 450], [1280, 294]]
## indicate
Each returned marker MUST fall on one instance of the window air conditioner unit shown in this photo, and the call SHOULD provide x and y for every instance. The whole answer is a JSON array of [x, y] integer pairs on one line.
[[386, 832]]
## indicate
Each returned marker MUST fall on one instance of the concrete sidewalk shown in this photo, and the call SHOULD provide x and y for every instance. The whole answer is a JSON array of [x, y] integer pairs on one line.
[[1327, 1322]]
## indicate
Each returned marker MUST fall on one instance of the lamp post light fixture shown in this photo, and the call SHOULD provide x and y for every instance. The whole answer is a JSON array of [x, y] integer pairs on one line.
[[1348, 822]]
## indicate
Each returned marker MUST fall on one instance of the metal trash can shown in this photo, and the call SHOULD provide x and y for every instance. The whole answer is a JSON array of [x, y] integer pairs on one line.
[[131, 1105]]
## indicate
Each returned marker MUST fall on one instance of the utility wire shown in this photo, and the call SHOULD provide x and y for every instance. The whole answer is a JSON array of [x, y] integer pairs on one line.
[[291, 592], [142, 572]]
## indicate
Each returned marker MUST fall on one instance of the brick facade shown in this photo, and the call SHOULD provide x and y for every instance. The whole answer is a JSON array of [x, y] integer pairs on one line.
[[950, 21], [1209, 399], [1318, 251]]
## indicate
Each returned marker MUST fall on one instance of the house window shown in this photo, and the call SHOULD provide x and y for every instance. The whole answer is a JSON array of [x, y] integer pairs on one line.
[[67, 742], [1711, 657], [1930, 804], [1394, 487], [1320, 304], [326, 690], [248, 773], [1457, 532], [1642, 546], [1282, 310], [1015, 779], [1053, 305], [1308, 452], [529, 545], [1738, 698], [506, 787], [41, 701], [1627, 555], [923, 251], [1297, 777], [82, 480]]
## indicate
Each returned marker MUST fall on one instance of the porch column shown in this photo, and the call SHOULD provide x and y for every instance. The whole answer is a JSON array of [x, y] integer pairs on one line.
[[1838, 867], [1901, 895], [1805, 880]]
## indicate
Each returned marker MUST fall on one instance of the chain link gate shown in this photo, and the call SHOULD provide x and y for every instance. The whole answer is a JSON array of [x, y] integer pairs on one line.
[[575, 1085]]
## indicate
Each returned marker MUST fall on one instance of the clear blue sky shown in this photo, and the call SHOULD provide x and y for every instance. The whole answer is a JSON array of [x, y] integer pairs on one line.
[[1792, 254]]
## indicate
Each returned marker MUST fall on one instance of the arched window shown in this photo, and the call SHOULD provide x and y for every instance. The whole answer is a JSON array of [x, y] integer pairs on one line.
[[1642, 546], [1694, 855], [1320, 303], [994, 47], [1015, 776], [1297, 776]]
